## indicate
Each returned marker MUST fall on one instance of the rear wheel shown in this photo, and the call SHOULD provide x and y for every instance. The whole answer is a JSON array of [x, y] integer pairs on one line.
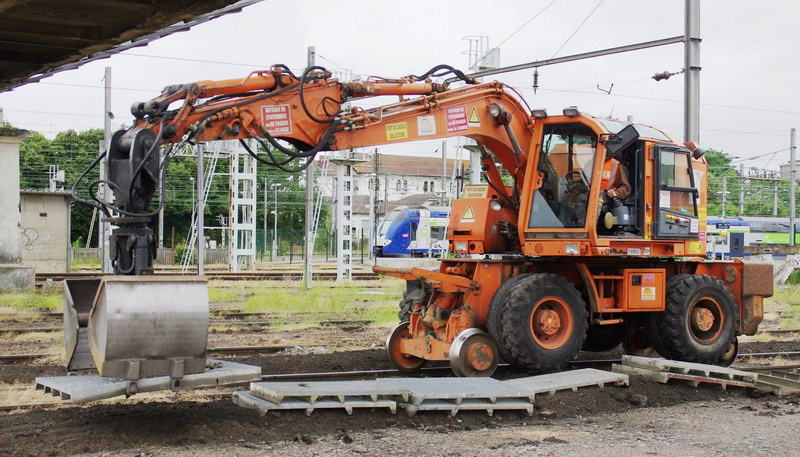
[[545, 322], [494, 320], [700, 320]]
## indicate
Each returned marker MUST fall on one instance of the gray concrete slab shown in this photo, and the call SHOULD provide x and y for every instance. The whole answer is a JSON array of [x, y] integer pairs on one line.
[[314, 390], [83, 388], [696, 369], [572, 380], [664, 377], [458, 389], [469, 404], [262, 406]]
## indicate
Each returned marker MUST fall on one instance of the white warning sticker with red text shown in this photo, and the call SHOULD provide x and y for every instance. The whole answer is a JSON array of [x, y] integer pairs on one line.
[[457, 119], [277, 119]]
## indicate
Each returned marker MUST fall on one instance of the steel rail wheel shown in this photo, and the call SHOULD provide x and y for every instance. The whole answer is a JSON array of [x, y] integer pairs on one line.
[[473, 354], [700, 320], [602, 338], [637, 342], [545, 321], [730, 355], [403, 362]]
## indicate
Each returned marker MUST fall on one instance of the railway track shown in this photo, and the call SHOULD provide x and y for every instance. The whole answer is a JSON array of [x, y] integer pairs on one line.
[[223, 275]]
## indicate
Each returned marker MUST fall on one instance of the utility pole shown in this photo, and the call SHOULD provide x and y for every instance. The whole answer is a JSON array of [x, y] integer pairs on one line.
[[373, 201], [266, 197], [792, 181], [275, 225], [691, 75], [724, 194], [741, 189], [104, 227], [444, 171], [307, 276], [201, 204]]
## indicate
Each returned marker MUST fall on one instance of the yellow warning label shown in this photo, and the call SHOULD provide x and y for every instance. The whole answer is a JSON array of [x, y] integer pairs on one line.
[[469, 215], [696, 247], [648, 293], [397, 131], [473, 117]]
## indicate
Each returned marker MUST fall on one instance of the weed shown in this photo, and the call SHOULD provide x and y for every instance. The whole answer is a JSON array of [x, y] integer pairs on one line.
[[48, 299]]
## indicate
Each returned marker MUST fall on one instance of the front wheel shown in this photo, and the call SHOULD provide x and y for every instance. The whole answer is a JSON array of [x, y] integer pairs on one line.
[[544, 322]]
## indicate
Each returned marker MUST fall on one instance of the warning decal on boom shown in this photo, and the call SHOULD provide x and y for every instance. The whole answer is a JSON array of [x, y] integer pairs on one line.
[[469, 215], [474, 120]]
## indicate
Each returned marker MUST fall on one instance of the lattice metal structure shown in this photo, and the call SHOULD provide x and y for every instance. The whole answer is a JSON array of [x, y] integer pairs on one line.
[[345, 230], [242, 212]]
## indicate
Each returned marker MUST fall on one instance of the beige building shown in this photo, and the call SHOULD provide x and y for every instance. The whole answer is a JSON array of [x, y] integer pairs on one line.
[[44, 230]]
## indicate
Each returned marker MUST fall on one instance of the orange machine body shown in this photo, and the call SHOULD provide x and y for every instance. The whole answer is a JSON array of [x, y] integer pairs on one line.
[[543, 216]]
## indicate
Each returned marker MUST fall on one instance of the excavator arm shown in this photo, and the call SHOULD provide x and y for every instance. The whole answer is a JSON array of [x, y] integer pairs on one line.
[[299, 117]]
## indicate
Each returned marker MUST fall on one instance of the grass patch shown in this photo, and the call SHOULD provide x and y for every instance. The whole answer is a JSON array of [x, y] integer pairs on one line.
[[296, 299], [224, 294], [384, 314], [786, 301], [48, 299]]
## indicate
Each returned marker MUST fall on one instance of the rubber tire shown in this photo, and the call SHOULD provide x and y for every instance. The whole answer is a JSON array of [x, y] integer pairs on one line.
[[652, 322], [516, 329], [494, 319], [674, 326], [603, 338]]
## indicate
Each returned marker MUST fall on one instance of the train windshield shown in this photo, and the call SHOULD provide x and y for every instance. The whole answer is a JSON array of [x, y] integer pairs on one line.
[[393, 215]]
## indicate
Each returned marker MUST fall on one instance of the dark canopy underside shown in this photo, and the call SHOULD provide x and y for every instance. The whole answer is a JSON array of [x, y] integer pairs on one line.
[[41, 37]]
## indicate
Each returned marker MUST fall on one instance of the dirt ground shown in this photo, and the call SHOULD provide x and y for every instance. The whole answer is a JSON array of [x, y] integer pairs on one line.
[[677, 419]]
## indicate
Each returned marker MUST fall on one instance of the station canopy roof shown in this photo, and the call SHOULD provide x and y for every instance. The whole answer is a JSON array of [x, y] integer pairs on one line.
[[42, 37]]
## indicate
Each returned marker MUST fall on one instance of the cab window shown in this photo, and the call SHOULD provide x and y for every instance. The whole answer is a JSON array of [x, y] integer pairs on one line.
[[566, 162]]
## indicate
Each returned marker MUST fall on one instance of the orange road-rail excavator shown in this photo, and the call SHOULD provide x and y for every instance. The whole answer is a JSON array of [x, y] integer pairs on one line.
[[543, 260]]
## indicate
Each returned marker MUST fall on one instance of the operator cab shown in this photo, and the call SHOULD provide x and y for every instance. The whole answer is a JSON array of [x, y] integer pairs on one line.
[[562, 205]]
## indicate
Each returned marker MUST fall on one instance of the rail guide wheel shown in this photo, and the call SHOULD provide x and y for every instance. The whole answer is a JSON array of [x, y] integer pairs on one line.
[[473, 354], [730, 355], [403, 362]]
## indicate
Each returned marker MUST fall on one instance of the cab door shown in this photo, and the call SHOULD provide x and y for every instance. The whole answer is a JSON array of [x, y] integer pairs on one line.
[[676, 194]]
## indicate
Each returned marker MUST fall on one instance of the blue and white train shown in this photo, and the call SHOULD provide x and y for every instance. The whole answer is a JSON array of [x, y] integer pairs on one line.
[[727, 237], [413, 232]]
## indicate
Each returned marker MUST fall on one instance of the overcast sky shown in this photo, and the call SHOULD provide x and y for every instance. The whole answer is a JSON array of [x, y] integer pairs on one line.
[[749, 54]]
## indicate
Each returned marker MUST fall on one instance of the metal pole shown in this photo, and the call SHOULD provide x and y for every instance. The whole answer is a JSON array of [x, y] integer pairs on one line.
[[444, 169], [741, 189], [792, 181], [574, 57], [307, 276], [201, 205], [724, 193], [104, 227], [275, 226], [266, 196], [775, 200], [691, 78]]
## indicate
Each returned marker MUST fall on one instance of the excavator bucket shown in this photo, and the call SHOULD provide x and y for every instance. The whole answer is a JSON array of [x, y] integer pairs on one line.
[[132, 327]]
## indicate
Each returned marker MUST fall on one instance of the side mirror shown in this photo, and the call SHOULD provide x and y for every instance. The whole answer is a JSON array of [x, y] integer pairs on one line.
[[616, 143]]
